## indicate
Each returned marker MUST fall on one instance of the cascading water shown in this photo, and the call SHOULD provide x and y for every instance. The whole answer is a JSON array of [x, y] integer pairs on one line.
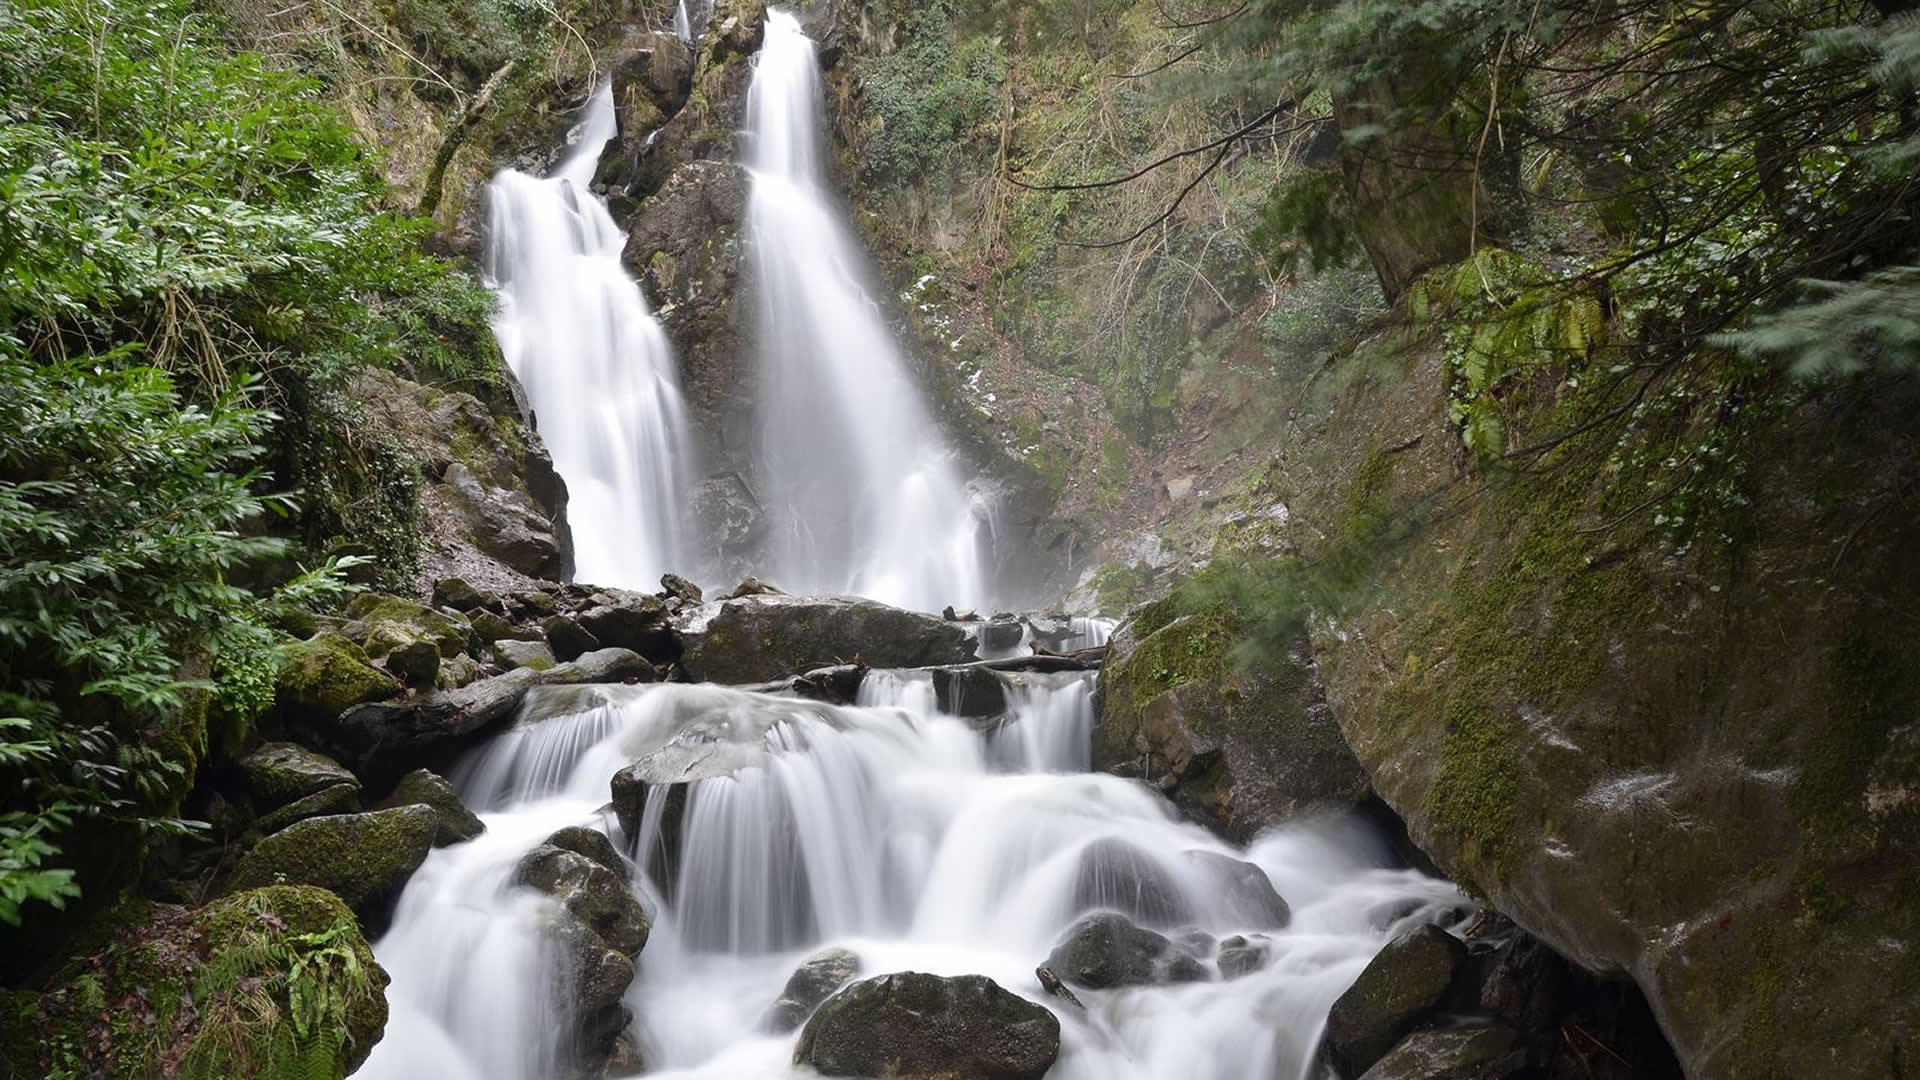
[[597, 367], [914, 839], [861, 493]]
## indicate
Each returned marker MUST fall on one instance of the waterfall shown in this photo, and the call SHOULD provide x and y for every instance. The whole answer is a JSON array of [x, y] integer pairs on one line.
[[577, 332], [861, 493], [913, 838], [682, 22]]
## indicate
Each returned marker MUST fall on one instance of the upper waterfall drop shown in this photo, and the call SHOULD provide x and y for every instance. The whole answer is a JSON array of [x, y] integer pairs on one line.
[[577, 332], [862, 494]]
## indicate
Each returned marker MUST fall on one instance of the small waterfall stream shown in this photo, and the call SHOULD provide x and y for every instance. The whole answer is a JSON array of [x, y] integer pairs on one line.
[[597, 367], [862, 494], [912, 838]]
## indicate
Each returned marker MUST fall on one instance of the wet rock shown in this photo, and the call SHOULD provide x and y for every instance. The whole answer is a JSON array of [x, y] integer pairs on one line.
[[326, 675], [761, 638], [635, 621], [1245, 889], [677, 586], [592, 981], [278, 773], [1523, 983], [453, 822], [969, 690], [1115, 875], [537, 655], [921, 1027], [338, 799], [592, 844], [753, 586], [1490, 1052], [1000, 633], [1242, 955], [1108, 950], [390, 738], [1239, 749], [813, 982], [567, 638], [598, 897], [362, 858], [730, 515], [1405, 982]]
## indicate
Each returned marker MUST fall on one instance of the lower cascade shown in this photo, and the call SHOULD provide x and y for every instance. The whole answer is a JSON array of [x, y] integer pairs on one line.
[[780, 835]]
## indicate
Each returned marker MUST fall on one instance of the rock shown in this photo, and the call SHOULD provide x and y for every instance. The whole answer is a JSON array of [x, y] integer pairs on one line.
[[1240, 749], [1481, 1052], [636, 621], [922, 1027], [813, 982], [567, 638], [592, 983], [598, 897], [1524, 983], [1242, 955], [505, 525], [1245, 891], [456, 672], [338, 799], [524, 654], [490, 628], [1000, 633], [1107, 950], [592, 844], [416, 663], [326, 675], [761, 638], [362, 858], [969, 690], [382, 624], [453, 822], [675, 585], [244, 959], [388, 739], [1115, 875], [1405, 981], [732, 520], [456, 593], [278, 773], [753, 586]]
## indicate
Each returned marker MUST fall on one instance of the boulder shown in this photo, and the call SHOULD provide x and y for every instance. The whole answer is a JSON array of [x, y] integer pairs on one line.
[[453, 822], [278, 773], [383, 624], [537, 655], [1115, 875], [326, 675], [362, 858], [1108, 950], [593, 894], [490, 629], [388, 739], [591, 980], [1242, 955], [1000, 633], [1405, 982], [676, 586], [1479, 1052], [1244, 890], [416, 663], [761, 638], [457, 593], [338, 799], [813, 982], [1239, 749], [567, 638], [753, 586], [921, 1027], [969, 690], [628, 620], [457, 671], [211, 992]]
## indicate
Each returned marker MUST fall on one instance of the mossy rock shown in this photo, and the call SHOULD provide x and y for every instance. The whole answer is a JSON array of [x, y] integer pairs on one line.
[[363, 858], [275, 983], [326, 675], [278, 773], [382, 624], [925, 1027], [456, 823]]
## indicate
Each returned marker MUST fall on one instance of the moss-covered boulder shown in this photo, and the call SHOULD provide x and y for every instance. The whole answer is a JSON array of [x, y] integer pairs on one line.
[[1474, 1052], [813, 982], [1404, 982], [326, 675], [1238, 746], [363, 858], [921, 1027], [1107, 950], [275, 983], [453, 822], [590, 891], [278, 773], [761, 638], [383, 624]]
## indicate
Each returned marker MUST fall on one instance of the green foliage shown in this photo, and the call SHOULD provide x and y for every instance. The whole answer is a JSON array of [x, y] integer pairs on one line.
[[1319, 312], [1307, 216], [1843, 327], [930, 96]]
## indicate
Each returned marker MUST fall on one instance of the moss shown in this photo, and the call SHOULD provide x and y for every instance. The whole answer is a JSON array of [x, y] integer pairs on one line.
[[361, 857], [276, 984], [328, 674], [384, 623], [1119, 588], [1872, 693]]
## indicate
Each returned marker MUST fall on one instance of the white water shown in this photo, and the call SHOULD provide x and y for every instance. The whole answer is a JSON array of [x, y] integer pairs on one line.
[[861, 493], [904, 835], [597, 367]]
